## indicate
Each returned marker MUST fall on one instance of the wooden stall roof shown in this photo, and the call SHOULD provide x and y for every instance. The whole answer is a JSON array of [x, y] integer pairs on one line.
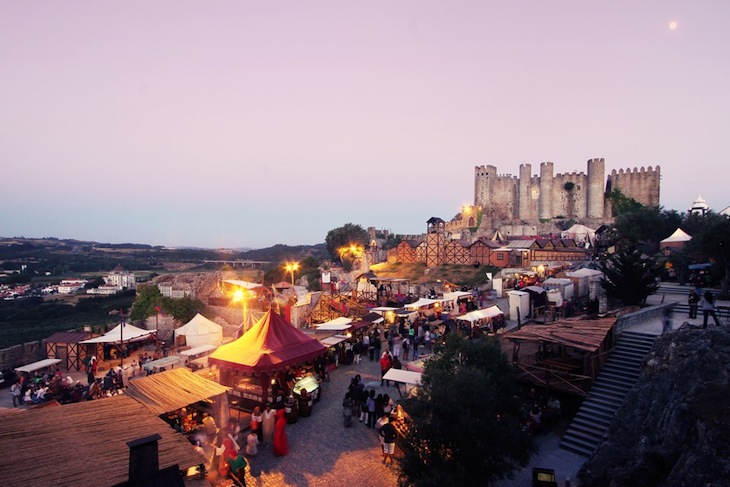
[[579, 333], [172, 389], [90, 443], [68, 337]]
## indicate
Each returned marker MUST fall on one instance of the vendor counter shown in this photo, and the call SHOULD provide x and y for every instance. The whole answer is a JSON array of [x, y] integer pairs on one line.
[[247, 393], [308, 391]]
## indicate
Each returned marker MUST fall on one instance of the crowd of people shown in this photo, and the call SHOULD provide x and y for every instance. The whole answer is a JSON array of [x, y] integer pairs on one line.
[[374, 411], [42, 387]]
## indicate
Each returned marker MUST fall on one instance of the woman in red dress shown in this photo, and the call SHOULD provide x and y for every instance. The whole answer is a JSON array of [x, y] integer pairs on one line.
[[281, 443]]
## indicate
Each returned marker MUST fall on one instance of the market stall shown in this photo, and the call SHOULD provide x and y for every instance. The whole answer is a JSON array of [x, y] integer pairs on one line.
[[266, 351], [163, 364], [197, 357], [491, 319], [406, 377], [40, 365], [566, 355], [199, 331]]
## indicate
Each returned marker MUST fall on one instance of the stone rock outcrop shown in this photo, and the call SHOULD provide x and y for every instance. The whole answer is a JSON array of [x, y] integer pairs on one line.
[[674, 426]]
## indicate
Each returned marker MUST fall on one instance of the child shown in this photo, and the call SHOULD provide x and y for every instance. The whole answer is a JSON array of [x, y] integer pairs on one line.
[[252, 444]]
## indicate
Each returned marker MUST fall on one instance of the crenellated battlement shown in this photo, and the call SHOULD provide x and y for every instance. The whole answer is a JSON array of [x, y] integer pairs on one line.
[[529, 197]]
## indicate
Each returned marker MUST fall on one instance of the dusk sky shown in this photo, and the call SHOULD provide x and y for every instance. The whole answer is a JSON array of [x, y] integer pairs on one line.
[[249, 123]]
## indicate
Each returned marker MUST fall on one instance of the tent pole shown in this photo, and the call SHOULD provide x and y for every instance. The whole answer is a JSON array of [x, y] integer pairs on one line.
[[264, 380]]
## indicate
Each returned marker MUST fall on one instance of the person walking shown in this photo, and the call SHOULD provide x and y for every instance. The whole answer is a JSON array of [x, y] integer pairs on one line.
[[16, 390], [708, 309], [269, 425], [388, 433], [693, 299], [281, 442], [371, 408], [385, 364]]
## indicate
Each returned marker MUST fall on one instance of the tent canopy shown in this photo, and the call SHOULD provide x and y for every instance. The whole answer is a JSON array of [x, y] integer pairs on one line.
[[421, 303], [41, 364], [454, 295], [333, 340], [585, 272], [172, 389], [479, 314], [679, 235], [338, 324], [405, 376], [169, 361], [201, 331], [198, 350], [271, 345], [126, 332]]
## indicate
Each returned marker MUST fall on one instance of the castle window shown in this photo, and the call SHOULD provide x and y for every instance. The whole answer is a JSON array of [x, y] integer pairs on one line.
[[578, 187]]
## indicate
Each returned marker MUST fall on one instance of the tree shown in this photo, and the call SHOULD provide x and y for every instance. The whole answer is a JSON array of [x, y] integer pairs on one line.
[[183, 309], [345, 237], [712, 244], [629, 276], [148, 296], [463, 423]]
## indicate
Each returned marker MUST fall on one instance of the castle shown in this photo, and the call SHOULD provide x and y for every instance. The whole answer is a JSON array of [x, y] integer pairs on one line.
[[531, 199]]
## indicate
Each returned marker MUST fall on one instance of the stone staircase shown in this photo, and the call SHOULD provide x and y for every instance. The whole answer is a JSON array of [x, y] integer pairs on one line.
[[619, 374]]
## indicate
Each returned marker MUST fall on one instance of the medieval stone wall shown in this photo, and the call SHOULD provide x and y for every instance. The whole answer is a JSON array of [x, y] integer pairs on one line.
[[639, 184], [530, 198]]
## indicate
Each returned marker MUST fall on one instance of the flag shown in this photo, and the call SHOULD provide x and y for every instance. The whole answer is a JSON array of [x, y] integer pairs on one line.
[[122, 317], [158, 310]]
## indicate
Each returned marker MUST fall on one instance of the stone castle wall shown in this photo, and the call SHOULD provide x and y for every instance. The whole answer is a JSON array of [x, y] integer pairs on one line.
[[530, 198], [640, 184]]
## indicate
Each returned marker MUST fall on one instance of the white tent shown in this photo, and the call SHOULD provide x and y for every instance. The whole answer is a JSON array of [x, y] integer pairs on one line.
[[585, 272], [679, 235], [333, 340], [201, 331], [479, 314], [421, 303], [41, 364], [580, 233], [338, 324], [119, 333]]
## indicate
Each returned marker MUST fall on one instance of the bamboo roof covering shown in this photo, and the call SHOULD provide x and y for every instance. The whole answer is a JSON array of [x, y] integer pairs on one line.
[[84, 443], [579, 333], [172, 389]]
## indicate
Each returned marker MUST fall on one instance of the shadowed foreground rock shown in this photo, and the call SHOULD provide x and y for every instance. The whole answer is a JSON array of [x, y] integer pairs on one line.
[[674, 427]]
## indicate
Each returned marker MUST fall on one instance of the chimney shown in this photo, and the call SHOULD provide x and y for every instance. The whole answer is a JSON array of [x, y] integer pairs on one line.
[[143, 459]]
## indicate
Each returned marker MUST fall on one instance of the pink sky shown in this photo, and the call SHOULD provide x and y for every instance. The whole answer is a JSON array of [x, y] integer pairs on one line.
[[246, 124]]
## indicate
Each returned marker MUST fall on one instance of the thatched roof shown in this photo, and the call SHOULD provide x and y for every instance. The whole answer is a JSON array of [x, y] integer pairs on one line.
[[172, 389], [578, 333], [84, 443]]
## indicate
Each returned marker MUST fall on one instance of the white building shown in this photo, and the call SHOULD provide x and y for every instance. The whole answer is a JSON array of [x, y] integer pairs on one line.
[[69, 286], [121, 278]]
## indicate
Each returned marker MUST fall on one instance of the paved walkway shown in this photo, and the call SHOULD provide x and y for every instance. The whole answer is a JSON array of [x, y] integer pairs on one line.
[[322, 452]]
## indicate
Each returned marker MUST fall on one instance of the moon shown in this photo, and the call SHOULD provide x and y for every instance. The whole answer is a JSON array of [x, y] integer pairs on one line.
[[673, 25]]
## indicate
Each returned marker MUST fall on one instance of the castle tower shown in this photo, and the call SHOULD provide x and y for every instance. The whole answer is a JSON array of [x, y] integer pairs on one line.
[[483, 185], [596, 177], [524, 192], [435, 241], [545, 210]]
